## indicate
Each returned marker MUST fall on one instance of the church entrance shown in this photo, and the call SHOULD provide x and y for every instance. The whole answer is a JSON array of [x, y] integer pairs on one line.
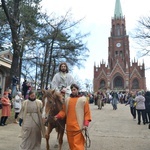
[[118, 83]]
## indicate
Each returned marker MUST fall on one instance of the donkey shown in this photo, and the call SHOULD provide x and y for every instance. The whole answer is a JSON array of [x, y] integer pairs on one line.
[[53, 103]]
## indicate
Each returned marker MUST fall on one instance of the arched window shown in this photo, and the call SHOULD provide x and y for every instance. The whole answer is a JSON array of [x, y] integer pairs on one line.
[[123, 31], [118, 30], [121, 54], [118, 82], [116, 53], [102, 84], [135, 84]]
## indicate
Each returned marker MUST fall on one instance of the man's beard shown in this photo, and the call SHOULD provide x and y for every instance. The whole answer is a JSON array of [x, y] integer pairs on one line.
[[32, 99], [63, 71]]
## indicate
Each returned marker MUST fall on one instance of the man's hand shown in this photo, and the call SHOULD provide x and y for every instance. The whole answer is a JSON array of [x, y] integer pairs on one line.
[[55, 118], [85, 128], [63, 90], [86, 124]]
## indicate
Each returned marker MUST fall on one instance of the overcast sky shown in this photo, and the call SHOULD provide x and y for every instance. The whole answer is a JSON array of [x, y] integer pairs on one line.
[[97, 21]]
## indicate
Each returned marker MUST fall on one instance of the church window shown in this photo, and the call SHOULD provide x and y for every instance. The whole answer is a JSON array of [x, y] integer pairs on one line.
[[102, 84], [116, 53], [118, 82], [120, 53], [118, 30], [135, 84]]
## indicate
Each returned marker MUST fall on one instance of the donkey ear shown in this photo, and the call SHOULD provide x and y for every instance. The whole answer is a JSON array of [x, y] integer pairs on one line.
[[53, 91], [43, 91]]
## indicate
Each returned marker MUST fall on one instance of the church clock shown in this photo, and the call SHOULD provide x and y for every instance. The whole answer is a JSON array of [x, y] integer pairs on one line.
[[118, 44]]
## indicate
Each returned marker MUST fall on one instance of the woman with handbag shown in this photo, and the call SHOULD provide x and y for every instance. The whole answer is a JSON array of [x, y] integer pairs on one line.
[[132, 104]]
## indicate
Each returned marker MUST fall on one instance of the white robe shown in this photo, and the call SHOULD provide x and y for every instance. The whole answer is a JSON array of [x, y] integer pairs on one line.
[[60, 80], [32, 125]]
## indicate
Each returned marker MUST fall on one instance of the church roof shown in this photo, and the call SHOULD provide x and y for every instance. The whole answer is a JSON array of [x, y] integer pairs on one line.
[[118, 10]]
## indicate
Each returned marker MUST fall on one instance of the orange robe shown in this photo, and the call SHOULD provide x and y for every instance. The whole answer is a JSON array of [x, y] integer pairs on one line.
[[6, 109], [73, 128]]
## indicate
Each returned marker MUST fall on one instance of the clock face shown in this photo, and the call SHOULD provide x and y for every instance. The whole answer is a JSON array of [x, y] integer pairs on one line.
[[118, 44]]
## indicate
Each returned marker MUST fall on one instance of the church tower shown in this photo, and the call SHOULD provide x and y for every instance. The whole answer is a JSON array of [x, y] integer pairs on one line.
[[119, 74]]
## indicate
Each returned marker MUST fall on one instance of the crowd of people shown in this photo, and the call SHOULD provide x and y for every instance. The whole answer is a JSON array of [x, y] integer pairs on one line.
[[140, 106], [28, 109], [139, 102]]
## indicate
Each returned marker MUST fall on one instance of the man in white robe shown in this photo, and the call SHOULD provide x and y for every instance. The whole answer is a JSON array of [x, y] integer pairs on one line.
[[62, 80]]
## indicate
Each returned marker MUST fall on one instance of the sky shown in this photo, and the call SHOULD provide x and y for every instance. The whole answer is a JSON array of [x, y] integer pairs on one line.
[[97, 22]]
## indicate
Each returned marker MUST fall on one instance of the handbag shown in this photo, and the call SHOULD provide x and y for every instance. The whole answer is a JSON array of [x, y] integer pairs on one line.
[[135, 103]]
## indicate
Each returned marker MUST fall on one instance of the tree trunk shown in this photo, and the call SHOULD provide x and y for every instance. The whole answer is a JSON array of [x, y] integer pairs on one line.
[[13, 19]]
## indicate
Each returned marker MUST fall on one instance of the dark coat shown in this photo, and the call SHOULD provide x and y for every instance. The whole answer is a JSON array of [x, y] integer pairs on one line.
[[147, 101]]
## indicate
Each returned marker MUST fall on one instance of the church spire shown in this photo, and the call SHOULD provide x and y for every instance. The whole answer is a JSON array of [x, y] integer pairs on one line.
[[118, 10]]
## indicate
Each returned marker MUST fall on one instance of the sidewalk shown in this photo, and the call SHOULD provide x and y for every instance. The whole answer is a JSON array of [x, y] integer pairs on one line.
[[109, 130]]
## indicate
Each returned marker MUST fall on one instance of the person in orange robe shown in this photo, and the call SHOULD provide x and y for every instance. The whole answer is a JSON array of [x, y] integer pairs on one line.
[[6, 109], [78, 115]]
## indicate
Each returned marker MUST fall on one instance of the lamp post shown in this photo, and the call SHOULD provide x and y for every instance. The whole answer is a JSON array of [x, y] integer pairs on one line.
[[36, 71]]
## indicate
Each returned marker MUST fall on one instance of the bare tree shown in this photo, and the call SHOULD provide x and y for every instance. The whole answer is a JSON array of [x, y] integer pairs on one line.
[[61, 43], [142, 35]]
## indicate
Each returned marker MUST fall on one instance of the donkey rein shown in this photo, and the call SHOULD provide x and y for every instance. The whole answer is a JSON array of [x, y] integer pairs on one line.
[[87, 139]]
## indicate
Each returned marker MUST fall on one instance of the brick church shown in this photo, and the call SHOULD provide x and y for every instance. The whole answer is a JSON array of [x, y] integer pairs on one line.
[[119, 74]]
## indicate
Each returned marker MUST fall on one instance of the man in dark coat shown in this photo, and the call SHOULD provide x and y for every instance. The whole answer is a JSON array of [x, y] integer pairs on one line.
[[24, 88], [147, 107]]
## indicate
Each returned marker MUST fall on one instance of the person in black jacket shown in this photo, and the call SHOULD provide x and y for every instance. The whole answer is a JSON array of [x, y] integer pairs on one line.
[[131, 103], [24, 88], [115, 100], [147, 107]]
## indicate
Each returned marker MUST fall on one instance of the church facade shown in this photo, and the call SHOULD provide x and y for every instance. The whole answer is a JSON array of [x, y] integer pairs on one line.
[[119, 74]]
